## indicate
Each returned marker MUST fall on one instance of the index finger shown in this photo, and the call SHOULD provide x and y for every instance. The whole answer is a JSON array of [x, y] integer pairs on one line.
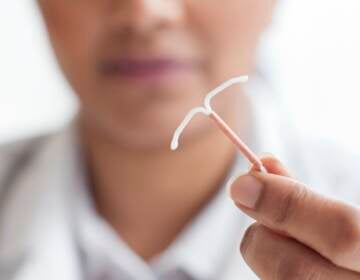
[[330, 227]]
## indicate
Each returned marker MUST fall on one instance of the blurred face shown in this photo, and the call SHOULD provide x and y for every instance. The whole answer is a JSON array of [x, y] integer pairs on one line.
[[137, 66]]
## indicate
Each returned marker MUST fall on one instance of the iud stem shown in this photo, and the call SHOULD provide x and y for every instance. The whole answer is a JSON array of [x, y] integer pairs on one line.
[[243, 148]]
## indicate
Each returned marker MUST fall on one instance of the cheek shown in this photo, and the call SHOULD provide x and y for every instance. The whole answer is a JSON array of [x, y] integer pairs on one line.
[[74, 30], [231, 30]]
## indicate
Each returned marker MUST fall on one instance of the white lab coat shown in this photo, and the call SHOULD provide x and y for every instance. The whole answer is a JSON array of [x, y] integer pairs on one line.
[[33, 173]]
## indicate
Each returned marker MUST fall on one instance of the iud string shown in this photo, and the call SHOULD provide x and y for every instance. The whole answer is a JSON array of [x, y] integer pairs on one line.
[[208, 111]]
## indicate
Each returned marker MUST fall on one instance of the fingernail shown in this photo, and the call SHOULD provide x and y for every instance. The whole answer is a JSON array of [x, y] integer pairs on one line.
[[246, 190], [233, 179]]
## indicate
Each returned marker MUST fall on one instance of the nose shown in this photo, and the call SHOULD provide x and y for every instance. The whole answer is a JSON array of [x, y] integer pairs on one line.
[[145, 15]]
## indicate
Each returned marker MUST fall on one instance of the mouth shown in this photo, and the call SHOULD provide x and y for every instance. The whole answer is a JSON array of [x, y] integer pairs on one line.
[[146, 70]]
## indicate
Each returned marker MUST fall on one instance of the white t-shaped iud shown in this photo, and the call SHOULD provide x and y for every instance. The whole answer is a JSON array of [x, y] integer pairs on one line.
[[208, 111]]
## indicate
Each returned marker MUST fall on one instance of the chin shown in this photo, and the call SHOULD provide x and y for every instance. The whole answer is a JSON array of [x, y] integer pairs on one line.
[[143, 120], [142, 134]]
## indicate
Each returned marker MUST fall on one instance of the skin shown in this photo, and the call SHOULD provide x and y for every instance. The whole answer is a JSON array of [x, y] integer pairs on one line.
[[306, 236], [145, 191]]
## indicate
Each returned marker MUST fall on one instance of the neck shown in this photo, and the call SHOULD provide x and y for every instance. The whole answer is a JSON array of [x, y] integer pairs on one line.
[[148, 197]]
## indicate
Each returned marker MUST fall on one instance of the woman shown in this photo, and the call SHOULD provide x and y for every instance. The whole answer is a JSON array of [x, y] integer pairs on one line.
[[107, 199]]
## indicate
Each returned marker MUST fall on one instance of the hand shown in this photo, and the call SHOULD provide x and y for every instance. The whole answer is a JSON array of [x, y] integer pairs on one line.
[[299, 234]]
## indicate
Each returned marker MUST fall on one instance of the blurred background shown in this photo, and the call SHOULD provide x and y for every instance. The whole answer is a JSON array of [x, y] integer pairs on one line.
[[310, 55]]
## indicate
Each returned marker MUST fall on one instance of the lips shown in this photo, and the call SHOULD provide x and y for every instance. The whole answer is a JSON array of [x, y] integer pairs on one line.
[[142, 68]]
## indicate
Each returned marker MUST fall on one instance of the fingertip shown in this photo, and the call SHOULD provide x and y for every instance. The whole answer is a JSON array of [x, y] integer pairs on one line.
[[273, 165], [268, 157]]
